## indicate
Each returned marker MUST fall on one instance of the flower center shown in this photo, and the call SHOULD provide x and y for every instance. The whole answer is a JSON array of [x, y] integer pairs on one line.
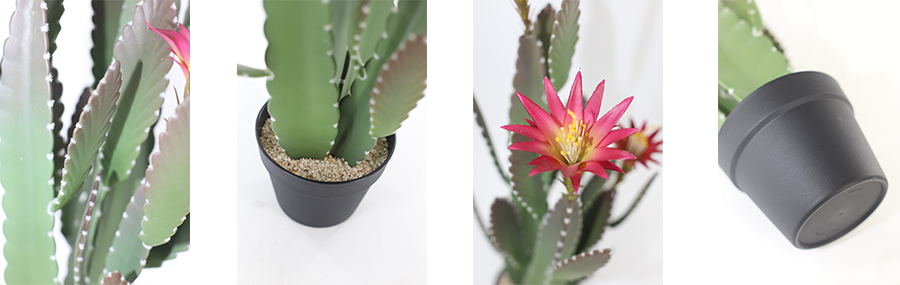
[[637, 143], [571, 145]]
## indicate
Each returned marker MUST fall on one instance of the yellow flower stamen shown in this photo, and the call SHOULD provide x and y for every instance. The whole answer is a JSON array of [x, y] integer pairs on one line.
[[572, 146]]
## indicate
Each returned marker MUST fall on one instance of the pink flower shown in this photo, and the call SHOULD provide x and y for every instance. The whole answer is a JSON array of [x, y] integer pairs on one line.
[[180, 45], [571, 139], [641, 145]]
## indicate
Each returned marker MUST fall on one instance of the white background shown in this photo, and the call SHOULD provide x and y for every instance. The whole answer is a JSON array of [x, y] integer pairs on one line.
[[855, 44], [382, 242], [619, 41], [72, 59], [715, 234]]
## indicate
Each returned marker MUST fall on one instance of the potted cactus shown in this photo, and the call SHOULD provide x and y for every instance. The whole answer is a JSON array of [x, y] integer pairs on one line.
[[540, 243], [122, 208], [792, 129], [342, 76]]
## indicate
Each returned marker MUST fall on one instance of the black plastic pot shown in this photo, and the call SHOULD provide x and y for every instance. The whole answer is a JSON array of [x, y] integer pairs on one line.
[[314, 203], [794, 147]]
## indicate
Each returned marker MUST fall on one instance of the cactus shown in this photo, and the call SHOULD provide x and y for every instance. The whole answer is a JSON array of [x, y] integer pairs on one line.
[[341, 73], [542, 243], [98, 176], [748, 54]]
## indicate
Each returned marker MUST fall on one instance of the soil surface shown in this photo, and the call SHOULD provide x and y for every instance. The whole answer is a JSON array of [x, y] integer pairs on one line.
[[329, 169]]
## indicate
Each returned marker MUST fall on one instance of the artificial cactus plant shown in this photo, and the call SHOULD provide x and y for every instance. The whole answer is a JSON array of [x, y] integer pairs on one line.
[[552, 244], [749, 56], [118, 203], [342, 73]]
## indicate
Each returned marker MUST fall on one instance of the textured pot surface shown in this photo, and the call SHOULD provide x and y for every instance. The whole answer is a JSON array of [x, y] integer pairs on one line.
[[315, 203], [795, 148]]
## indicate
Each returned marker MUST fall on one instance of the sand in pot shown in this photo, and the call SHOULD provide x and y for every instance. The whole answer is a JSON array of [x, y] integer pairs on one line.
[[329, 169]]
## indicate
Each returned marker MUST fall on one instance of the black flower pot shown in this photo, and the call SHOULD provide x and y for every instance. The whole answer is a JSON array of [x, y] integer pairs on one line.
[[794, 147], [315, 203]]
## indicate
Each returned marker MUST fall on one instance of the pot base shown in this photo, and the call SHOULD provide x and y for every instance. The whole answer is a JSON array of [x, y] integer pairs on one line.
[[841, 214], [314, 203]]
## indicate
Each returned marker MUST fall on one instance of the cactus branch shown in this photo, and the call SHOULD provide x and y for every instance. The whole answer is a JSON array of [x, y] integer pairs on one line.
[[399, 86], [168, 178], [80, 267], [26, 145], [304, 99], [579, 266], [479, 119], [562, 42], [144, 56], [90, 132]]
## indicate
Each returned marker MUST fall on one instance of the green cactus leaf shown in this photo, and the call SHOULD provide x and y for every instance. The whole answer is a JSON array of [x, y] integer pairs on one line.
[[354, 137], [345, 16], [562, 43], [106, 31], [487, 138], [127, 15], [26, 143], [72, 219], [375, 14], [746, 10], [529, 79], [76, 114], [187, 16], [114, 203], [558, 237], [303, 103], [747, 58], [169, 179], [252, 72], [144, 56], [543, 28], [400, 85], [127, 253], [590, 191], [180, 242], [528, 192], [114, 278], [59, 145], [580, 266], [82, 243], [727, 101], [506, 234], [89, 134], [55, 10], [635, 202], [595, 220]]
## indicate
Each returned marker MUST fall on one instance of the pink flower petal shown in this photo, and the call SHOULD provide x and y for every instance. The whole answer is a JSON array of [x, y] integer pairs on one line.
[[542, 159], [608, 154], [616, 135], [611, 166], [557, 110], [528, 131], [533, 146], [180, 44], [184, 31], [596, 168], [543, 121], [593, 105], [576, 100], [543, 165], [608, 121]]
